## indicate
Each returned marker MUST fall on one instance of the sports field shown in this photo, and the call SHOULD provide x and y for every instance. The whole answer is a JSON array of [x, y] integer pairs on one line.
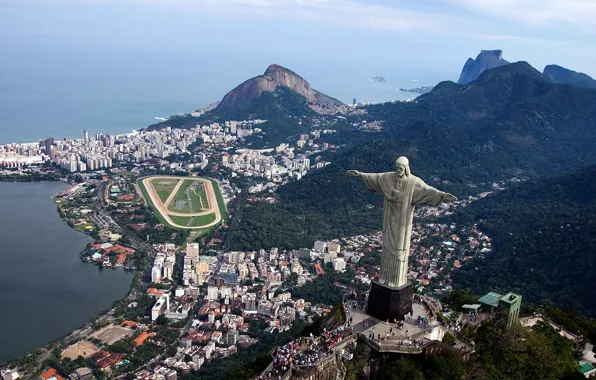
[[164, 187], [82, 348], [189, 198], [184, 202]]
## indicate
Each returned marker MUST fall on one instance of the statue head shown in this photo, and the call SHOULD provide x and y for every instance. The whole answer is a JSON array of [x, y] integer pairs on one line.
[[402, 166]]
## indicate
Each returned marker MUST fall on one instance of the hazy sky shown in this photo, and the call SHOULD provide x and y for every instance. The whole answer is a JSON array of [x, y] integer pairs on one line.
[[243, 36]]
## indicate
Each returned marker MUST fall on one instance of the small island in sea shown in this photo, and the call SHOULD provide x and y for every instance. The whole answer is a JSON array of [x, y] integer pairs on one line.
[[379, 79]]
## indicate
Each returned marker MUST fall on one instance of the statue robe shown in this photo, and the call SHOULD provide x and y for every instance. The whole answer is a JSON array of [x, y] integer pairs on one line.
[[400, 195]]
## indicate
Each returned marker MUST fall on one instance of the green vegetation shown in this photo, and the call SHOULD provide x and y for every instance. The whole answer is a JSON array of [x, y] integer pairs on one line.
[[511, 122], [194, 221], [459, 138], [148, 200], [544, 237], [164, 187], [127, 173], [123, 346], [187, 220], [84, 227], [31, 175], [283, 109], [444, 367], [303, 215], [449, 338], [457, 298], [181, 220], [248, 362], [141, 356], [523, 353], [220, 201], [516, 354], [181, 196], [322, 290], [203, 220], [282, 103], [573, 322], [198, 197]]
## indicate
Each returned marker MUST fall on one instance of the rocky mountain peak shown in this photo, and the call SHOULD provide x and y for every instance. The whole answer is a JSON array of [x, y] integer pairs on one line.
[[274, 77], [562, 75], [275, 68], [487, 59]]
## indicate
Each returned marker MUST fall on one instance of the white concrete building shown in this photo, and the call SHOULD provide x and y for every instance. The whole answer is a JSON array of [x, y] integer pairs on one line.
[[160, 307], [333, 248], [192, 250], [339, 265], [320, 246]]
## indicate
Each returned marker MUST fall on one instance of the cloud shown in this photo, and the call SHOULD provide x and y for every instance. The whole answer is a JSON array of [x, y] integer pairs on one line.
[[480, 19], [542, 13], [506, 37], [350, 14]]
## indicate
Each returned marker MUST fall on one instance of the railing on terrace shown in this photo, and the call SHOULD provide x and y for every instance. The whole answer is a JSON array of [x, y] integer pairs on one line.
[[288, 373], [394, 345]]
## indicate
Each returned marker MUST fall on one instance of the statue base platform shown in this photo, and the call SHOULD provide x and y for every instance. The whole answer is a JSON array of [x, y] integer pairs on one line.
[[386, 303]]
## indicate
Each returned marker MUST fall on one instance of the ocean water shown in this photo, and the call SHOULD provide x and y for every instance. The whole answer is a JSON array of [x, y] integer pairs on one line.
[[60, 94], [47, 290]]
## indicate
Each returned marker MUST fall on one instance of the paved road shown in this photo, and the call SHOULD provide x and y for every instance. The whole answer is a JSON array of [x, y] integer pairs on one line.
[[166, 204]]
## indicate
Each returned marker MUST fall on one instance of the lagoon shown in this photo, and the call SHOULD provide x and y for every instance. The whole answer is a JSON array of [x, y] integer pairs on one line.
[[45, 289]]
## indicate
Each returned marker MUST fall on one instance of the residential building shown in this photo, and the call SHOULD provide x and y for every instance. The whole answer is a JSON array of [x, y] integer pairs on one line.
[[339, 264], [160, 307], [232, 337], [192, 250], [320, 246], [333, 248]]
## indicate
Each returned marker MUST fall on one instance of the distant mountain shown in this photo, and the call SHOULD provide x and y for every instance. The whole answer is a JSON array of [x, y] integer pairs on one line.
[[418, 90], [487, 59], [280, 96], [545, 242], [511, 121], [274, 77], [562, 75]]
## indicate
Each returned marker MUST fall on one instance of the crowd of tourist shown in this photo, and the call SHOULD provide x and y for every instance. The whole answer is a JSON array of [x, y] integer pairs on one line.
[[305, 351]]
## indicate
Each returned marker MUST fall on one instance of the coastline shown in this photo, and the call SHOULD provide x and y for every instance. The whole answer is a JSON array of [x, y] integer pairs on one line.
[[82, 314]]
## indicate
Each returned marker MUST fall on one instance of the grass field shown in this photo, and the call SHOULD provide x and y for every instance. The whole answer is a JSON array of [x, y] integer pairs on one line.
[[148, 200], [195, 192], [126, 173], [220, 201], [198, 197], [164, 188], [193, 221], [181, 196], [84, 227]]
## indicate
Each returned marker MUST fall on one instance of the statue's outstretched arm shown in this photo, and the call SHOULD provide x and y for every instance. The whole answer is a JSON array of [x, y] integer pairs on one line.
[[449, 197]]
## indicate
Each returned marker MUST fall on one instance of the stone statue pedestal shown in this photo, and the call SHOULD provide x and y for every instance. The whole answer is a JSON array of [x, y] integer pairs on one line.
[[386, 303]]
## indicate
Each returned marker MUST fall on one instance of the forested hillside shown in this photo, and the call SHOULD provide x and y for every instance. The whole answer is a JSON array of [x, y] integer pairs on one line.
[[545, 242], [283, 109], [511, 121]]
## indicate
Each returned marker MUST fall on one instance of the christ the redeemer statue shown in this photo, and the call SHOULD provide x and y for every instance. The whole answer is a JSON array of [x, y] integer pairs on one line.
[[401, 192]]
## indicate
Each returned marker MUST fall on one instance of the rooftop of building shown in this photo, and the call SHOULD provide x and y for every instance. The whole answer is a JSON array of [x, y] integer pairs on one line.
[[511, 298], [490, 298]]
